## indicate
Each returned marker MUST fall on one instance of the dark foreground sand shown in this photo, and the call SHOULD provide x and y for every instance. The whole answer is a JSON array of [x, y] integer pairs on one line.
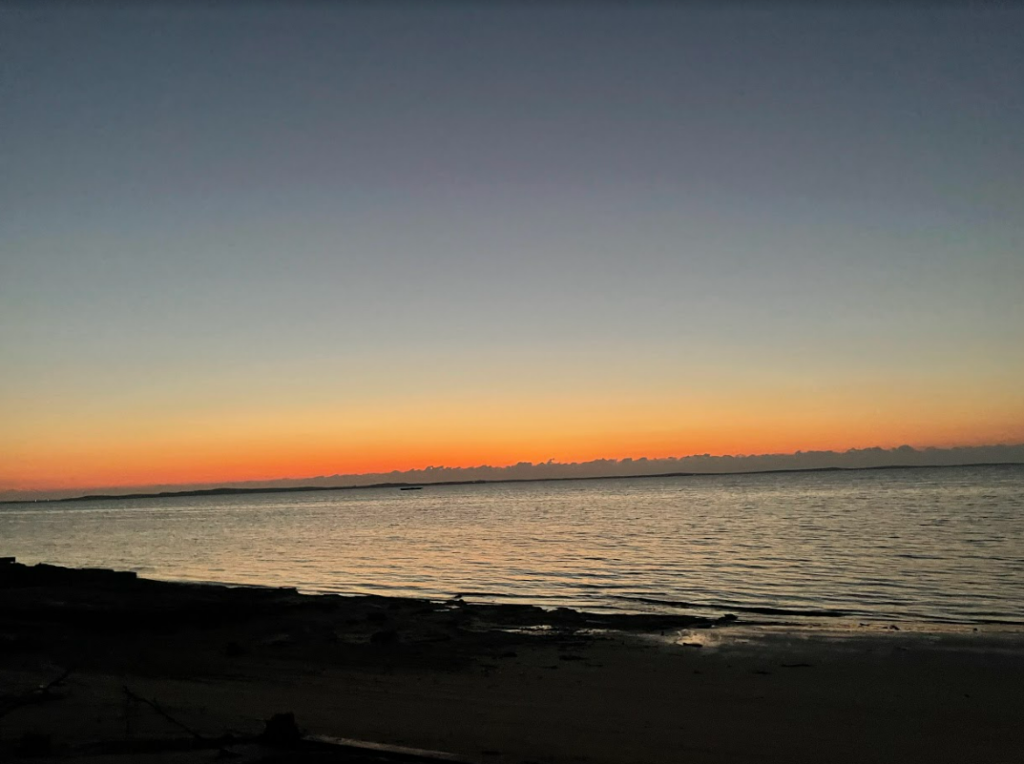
[[164, 672]]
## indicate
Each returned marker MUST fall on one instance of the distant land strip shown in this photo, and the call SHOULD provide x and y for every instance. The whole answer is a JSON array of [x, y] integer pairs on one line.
[[227, 491]]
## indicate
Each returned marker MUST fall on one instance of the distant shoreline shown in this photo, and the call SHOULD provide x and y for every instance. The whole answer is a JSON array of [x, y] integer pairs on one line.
[[228, 491]]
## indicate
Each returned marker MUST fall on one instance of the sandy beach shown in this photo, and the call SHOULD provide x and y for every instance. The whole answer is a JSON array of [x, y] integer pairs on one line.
[[102, 666]]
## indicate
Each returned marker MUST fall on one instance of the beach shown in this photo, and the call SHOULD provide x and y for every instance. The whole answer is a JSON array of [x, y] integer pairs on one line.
[[155, 671]]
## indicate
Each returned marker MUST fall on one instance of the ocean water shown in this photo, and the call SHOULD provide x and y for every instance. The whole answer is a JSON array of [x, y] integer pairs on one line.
[[918, 545]]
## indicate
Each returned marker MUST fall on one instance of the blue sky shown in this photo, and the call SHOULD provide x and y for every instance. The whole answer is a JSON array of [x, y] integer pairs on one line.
[[631, 204]]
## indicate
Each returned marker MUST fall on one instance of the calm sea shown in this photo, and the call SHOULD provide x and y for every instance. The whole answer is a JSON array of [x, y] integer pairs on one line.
[[925, 545]]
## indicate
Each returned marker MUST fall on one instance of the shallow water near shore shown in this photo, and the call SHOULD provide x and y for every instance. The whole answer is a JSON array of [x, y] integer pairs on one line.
[[932, 546]]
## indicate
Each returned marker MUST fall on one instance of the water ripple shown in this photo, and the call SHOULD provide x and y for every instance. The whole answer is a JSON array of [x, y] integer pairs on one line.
[[930, 544]]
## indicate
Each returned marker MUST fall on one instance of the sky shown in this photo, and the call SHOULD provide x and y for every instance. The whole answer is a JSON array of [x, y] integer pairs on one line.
[[285, 240]]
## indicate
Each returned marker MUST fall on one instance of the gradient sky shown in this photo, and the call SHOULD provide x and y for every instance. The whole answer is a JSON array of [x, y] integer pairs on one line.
[[276, 241]]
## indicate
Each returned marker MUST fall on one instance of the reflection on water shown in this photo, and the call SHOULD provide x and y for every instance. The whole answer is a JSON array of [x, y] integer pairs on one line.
[[921, 544]]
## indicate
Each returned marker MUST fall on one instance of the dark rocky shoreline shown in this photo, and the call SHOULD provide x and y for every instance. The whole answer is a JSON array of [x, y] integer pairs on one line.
[[109, 599], [59, 622]]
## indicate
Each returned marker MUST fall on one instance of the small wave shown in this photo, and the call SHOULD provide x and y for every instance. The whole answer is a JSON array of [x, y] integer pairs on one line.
[[738, 608]]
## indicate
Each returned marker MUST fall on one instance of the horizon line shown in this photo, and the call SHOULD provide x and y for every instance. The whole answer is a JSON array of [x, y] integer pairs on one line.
[[236, 491], [627, 466]]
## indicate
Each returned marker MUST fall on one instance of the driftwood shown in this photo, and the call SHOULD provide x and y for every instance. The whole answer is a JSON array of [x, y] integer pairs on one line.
[[313, 748], [156, 707], [39, 694]]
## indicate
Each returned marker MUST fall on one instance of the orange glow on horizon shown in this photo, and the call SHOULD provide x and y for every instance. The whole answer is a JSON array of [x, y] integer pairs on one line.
[[270, 450], [177, 439]]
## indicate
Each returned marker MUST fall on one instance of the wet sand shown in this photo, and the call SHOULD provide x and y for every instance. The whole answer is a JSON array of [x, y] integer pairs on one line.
[[486, 683]]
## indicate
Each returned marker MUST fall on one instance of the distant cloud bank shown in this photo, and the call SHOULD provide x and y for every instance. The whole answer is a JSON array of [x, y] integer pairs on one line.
[[855, 458], [697, 463]]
